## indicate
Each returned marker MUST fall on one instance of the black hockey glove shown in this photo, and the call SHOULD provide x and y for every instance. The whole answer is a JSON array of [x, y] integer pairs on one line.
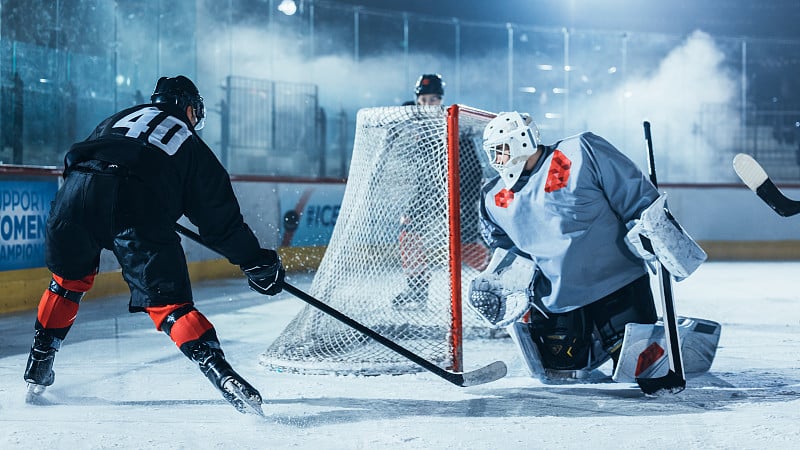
[[265, 275]]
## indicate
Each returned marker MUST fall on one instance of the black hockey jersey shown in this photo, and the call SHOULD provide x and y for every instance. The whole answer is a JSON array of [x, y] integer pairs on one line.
[[158, 144]]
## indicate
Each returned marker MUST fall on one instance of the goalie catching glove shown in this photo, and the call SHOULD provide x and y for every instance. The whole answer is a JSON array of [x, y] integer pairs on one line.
[[265, 275], [501, 294], [657, 237]]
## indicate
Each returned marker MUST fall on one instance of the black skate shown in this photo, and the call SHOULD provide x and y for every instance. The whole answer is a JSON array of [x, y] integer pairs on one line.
[[238, 392], [39, 370], [413, 297]]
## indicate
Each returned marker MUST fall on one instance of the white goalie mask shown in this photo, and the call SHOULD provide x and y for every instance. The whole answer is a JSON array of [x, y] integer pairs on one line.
[[515, 136]]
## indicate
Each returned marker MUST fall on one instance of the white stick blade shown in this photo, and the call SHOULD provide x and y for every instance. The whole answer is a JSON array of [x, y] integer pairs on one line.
[[749, 170], [487, 374]]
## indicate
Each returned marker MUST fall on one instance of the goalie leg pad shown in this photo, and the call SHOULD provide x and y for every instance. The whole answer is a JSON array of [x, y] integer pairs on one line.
[[521, 335], [644, 349], [657, 235]]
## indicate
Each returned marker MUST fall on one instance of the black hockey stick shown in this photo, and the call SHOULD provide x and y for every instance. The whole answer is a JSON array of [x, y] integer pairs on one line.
[[754, 176], [485, 374], [675, 379]]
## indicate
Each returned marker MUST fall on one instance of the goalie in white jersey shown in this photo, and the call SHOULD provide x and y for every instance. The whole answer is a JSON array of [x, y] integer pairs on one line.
[[564, 272]]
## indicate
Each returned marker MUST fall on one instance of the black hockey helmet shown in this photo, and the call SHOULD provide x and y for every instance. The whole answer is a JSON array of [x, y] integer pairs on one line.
[[429, 83], [180, 91]]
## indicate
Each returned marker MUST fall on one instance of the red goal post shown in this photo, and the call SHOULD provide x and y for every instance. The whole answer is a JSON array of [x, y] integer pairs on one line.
[[454, 113]]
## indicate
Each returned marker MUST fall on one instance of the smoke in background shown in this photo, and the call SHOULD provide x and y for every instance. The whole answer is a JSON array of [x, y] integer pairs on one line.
[[343, 83], [689, 96], [690, 100]]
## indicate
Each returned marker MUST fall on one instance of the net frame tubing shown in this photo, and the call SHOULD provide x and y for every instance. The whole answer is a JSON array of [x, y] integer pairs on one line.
[[454, 209]]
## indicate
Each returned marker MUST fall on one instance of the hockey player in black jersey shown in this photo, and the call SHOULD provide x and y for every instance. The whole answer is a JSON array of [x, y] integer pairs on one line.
[[124, 188]]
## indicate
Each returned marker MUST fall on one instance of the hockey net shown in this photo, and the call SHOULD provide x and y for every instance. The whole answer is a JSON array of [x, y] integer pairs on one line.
[[399, 261]]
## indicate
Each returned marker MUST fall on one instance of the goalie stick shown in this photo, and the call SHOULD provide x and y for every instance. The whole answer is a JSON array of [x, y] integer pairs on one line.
[[675, 379], [754, 176], [482, 375]]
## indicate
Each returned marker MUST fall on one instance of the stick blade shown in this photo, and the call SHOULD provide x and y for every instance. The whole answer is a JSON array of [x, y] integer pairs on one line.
[[756, 178], [750, 171], [486, 374], [671, 383]]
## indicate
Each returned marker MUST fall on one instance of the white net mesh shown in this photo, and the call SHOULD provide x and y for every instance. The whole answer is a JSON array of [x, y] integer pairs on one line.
[[387, 265]]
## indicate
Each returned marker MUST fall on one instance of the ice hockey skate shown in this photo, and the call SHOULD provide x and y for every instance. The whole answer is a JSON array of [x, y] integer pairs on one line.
[[415, 294], [39, 369], [238, 392], [411, 298]]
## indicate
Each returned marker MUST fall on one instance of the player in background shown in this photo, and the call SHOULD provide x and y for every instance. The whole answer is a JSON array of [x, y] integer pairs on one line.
[[429, 91], [557, 218], [124, 188]]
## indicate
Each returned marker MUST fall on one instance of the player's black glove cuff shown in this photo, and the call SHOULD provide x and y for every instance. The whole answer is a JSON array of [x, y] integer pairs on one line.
[[265, 275]]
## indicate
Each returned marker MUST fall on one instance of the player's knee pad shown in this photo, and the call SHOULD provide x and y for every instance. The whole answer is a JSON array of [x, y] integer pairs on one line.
[[631, 304], [564, 340], [77, 286], [60, 302], [184, 324]]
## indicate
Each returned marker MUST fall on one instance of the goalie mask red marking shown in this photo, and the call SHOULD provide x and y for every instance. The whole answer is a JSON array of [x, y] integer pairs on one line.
[[558, 174], [503, 198], [648, 357]]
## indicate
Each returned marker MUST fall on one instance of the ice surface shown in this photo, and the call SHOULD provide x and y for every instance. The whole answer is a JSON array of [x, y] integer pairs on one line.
[[121, 384]]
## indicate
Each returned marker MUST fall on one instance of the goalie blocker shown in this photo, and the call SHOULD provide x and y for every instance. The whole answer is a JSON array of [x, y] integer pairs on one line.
[[657, 237]]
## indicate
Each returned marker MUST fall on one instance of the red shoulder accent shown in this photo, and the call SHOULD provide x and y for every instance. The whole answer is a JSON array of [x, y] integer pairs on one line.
[[503, 198], [558, 174]]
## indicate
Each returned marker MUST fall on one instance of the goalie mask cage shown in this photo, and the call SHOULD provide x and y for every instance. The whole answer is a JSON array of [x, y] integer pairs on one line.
[[399, 236]]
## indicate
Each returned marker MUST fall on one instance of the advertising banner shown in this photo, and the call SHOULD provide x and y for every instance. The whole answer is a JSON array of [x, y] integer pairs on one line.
[[309, 213], [24, 206]]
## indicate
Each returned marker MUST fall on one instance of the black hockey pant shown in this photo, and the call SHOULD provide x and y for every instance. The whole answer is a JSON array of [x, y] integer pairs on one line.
[[99, 206], [564, 340]]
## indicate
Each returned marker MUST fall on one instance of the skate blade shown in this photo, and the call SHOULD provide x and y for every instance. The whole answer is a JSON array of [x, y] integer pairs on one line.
[[243, 403], [410, 306], [34, 394]]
